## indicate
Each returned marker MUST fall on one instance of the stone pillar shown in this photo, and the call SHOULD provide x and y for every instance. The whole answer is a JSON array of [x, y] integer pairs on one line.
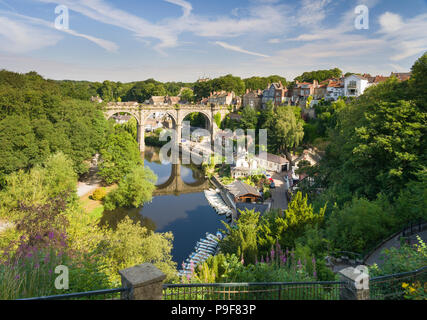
[[140, 137], [356, 285], [145, 282], [178, 133]]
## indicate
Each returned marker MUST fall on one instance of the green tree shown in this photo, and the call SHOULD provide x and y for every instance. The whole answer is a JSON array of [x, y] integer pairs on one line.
[[249, 118], [119, 156], [288, 226], [288, 131], [187, 95], [242, 239], [134, 189]]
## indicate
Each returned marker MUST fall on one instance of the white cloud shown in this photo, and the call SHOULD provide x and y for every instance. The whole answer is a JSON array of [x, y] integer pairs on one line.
[[312, 12], [19, 37], [238, 49], [186, 6], [390, 22], [274, 41], [30, 23], [260, 17]]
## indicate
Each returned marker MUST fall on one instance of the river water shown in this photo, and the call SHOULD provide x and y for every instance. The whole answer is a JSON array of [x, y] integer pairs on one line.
[[179, 206]]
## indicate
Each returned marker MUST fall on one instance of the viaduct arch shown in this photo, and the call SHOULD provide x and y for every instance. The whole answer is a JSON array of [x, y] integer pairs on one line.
[[177, 113]]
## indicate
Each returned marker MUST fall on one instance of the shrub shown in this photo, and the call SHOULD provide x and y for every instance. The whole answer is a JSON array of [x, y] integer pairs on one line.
[[99, 194], [359, 226], [134, 190]]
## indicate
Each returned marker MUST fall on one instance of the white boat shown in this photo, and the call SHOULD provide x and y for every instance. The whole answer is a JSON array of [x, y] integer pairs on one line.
[[210, 252], [208, 241]]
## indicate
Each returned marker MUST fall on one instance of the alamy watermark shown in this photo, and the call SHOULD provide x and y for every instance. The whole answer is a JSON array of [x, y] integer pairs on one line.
[[62, 21], [361, 282], [62, 281], [227, 146], [362, 20]]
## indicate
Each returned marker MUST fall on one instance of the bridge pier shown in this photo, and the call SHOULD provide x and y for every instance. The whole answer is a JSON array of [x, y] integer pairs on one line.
[[141, 137]]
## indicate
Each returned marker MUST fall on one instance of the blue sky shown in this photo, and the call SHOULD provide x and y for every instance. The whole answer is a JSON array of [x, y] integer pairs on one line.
[[183, 40]]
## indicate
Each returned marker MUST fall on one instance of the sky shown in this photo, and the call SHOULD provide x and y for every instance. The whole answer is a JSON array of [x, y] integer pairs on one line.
[[184, 40]]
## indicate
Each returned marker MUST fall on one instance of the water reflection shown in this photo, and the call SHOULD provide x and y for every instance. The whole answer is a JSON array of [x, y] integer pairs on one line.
[[178, 205]]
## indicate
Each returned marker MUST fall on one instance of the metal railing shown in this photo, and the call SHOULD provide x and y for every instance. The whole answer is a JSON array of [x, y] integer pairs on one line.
[[108, 294], [389, 287], [414, 227], [322, 290]]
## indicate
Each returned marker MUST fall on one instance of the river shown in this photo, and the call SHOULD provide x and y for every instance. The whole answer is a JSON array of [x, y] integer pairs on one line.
[[179, 206]]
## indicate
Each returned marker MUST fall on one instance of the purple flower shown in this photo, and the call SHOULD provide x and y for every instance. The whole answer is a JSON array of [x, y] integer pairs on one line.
[[272, 254], [315, 274], [313, 261], [284, 259], [51, 235], [262, 259], [299, 263], [267, 259], [17, 277], [256, 260]]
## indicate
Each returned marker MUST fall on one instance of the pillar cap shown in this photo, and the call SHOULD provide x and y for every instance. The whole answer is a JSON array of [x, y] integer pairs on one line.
[[142, 275]]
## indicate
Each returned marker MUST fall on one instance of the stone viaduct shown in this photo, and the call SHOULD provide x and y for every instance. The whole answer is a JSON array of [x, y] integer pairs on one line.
[[141, 112]]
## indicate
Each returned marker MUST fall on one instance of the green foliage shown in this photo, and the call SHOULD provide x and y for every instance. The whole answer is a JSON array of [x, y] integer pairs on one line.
[[55, 177], [404, 259], [134, 189], [380, 136], [119, 156], [197, 119], [37, 119], [285, 130], [130, 245], [143, 90], [255, 83], [217, 118], [286, 228], [411, 205], [319, 75], [360, 225], [249, 119], [242, 239], [187, 95]]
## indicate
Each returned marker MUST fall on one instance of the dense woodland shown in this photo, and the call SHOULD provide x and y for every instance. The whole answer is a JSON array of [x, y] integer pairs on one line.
[[371, 182]]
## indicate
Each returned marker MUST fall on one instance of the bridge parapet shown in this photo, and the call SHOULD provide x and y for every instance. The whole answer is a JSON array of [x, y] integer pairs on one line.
[[177, 112]]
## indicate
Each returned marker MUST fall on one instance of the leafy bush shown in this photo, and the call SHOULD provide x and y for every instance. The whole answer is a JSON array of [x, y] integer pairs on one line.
[[404, 259], [359, 226], [99, 194], [134, 190]]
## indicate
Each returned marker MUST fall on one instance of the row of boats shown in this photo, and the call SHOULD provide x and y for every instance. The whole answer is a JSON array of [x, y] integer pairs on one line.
[[204, 248], [215, 200]]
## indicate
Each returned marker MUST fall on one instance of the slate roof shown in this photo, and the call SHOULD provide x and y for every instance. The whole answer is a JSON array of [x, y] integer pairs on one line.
[[239, 188], [272, 158]]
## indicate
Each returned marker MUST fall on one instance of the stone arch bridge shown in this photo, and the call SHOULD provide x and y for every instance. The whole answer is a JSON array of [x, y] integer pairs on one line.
[[141, 112]]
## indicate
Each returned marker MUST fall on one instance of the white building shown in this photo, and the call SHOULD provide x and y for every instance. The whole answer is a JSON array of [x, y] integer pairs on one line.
[[355, 85], [334, 90], [271, 162]]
